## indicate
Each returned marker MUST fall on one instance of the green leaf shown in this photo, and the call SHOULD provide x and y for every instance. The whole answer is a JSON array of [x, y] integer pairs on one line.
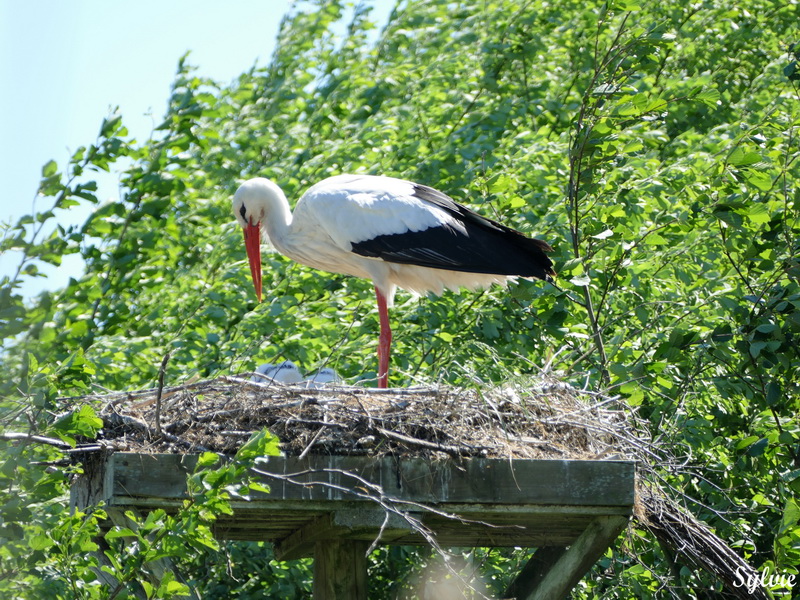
[[756, 348], [40, 541], [791, 71], [656, 239], [81, 422], [255, 486], [635, 397], [708, 96], [758, 448], [748, 441], [626, 6], [263, 443], [774, 393], [49, 169], [118, 532], [758, 179], [176, 588], [110, 126], [758, 213], [742, 157], [500, 184], [207, 459]]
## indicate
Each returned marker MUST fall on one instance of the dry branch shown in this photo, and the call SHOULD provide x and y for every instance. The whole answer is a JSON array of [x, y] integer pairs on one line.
[[685, 535], [39, 439]]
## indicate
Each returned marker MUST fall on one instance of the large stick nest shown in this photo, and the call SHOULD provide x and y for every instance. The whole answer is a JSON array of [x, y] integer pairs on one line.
[[536, 420], [550, 420]]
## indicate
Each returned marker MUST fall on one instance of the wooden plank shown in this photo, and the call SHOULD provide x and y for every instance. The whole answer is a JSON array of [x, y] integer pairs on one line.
[[329, 478], [300, 543], [498, 530], [155, 475], [559, 572], [266, 506], [340, 570], [95, 484], [507, 503], [515, 525], [474, 480]]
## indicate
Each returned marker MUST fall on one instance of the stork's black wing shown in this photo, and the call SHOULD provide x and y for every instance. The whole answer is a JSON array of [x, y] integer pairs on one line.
[[466, 242]]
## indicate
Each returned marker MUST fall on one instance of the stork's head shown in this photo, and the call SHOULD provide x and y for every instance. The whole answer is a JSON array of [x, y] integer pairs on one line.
[[250, 205]]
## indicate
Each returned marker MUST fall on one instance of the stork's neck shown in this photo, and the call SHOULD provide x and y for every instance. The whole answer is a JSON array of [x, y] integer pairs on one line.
[[275, 216], [278, 218]]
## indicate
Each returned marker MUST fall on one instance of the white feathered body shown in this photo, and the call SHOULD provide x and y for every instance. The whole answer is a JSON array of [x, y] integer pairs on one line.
[[380, 228]]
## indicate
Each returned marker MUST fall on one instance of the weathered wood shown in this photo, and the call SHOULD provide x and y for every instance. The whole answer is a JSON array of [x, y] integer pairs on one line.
[[335, 506], [362, 524], [95, 484], [562, 570], [340, 570], [534, 571], [506, 503], [574, 482]]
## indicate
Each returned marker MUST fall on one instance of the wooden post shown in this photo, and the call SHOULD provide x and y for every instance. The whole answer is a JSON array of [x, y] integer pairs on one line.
[[95, 485], [340, 570], [553, 572], [534, 571]]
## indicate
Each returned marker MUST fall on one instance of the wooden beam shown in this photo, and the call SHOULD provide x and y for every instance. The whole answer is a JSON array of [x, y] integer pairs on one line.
[[341, 525], [586, 483], [469, 502], [330, 478], [554, 572], [534, 571], [340, 570], [95, 484], [302, 542]]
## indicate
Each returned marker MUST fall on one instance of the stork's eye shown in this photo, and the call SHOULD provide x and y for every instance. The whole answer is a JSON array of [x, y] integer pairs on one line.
[[243, 212]]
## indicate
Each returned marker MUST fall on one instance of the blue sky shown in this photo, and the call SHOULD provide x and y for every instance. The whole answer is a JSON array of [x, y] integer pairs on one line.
[[65, 64]]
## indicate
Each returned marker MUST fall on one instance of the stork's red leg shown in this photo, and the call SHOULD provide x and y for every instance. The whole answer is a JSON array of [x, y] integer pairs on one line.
[[384, 342]]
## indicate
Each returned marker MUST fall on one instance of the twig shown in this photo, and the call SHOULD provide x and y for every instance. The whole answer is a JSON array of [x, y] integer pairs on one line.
[[322, 424], [115, 419], [702, 547], [161, 373], [13, 436], [60, 444], [454, 450], [311, 443]]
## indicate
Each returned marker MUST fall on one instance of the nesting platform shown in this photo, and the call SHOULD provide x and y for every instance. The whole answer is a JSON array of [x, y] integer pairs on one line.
[[447, 469], [334, 507]]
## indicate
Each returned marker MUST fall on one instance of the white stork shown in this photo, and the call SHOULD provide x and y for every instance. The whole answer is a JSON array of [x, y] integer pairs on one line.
[[322, 378], [285, 372], [394, 232]]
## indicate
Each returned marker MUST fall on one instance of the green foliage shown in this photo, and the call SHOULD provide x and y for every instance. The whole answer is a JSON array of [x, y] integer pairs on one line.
[[187, 534], [248, 570], [50, 553], [653, 145]]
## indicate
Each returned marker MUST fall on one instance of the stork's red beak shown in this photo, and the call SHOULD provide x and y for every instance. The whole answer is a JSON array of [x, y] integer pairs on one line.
[[252, 242]]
